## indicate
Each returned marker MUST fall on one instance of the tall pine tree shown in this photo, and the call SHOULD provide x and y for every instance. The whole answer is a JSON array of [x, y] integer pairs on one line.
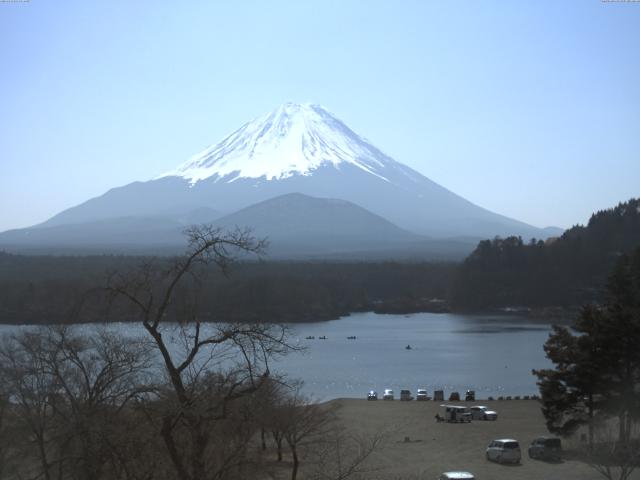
[[597, 361]]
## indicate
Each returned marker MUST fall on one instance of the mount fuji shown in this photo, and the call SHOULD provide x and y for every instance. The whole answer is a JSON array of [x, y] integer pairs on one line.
[[295, 149]]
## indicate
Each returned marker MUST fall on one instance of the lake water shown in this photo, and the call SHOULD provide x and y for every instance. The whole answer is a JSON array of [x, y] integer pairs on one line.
[[491, 354]]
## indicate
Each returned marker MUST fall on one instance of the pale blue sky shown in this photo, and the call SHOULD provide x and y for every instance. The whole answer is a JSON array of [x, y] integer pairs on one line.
[[529, 109]]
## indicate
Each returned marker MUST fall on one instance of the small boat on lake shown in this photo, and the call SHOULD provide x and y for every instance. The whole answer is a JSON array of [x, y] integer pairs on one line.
[[322, 337], [408, 347], [352, 337], [310, 337]]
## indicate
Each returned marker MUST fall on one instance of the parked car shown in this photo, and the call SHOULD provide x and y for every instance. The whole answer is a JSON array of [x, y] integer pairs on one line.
[[480, 412], [504, 450], [546, 448], [388, 394], [456, 413], [456, 476], [470, 396], [372, 395], [438, 395], [454, 397], [405, 395], [421, 394]]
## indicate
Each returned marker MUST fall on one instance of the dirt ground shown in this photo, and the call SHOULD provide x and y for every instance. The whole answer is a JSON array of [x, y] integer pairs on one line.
[[434, 447]]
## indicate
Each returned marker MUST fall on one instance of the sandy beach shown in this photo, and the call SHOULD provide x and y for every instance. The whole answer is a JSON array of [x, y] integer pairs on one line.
[[434, 447]]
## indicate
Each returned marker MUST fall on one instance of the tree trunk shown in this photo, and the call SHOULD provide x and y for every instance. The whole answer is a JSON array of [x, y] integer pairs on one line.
[[43, 457], [590, 421], [622, 424], [296, 462], [264, 442], [198, 448], [278, 439], [167, 436]]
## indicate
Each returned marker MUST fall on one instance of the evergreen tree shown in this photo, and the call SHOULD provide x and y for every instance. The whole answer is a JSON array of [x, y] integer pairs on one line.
[[621, 328], [597, 362], [569, 392]]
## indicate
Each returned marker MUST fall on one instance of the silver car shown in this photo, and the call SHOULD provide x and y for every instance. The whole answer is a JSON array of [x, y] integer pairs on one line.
[[456, 476], [480, 412], [504, 450]]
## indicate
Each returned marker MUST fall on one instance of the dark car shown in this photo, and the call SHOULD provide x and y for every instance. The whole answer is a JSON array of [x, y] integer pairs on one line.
[[546, 448], [454, 397], [470, 396], [405, 395], [372, 395]]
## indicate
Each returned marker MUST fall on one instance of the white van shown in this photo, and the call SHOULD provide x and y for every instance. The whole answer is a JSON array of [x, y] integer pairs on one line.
[[456, 413], [421, 395], [504, 450]]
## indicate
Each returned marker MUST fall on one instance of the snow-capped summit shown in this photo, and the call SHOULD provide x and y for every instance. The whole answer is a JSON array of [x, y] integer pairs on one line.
[[294, 139]]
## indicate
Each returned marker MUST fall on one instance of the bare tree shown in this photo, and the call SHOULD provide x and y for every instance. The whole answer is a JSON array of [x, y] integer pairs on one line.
[[342, 455], [4, 427], [305, 423], [278, 424], [609, 456], [196, 406], [22, 375], [313, 434], [68, 393], [267, 410], [95, 376]]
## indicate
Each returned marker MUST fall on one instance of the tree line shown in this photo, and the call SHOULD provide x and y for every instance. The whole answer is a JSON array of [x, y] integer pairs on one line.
[[44, 290]]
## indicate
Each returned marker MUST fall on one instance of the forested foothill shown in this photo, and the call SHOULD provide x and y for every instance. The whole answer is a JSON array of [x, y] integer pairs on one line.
[[565, 272], [569, 271], [48, 289]]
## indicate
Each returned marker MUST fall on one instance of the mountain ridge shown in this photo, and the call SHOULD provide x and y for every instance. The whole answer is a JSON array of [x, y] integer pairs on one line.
[[300, 223], [304, 149]]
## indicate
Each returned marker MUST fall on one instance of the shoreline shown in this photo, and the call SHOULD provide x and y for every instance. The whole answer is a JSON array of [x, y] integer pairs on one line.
[[562, 314]]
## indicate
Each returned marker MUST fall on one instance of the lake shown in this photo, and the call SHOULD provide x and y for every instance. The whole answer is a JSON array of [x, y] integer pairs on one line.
[[491, 354]]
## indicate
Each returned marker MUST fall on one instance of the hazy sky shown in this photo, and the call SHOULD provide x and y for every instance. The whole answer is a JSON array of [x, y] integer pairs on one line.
[[531, 110]]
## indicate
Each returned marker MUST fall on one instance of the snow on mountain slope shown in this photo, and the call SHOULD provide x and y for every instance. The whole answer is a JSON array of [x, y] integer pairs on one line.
[[292, 140]]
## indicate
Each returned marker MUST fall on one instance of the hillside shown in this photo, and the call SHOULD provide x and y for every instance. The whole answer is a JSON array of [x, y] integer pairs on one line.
[[299, 224], [567, 271]]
